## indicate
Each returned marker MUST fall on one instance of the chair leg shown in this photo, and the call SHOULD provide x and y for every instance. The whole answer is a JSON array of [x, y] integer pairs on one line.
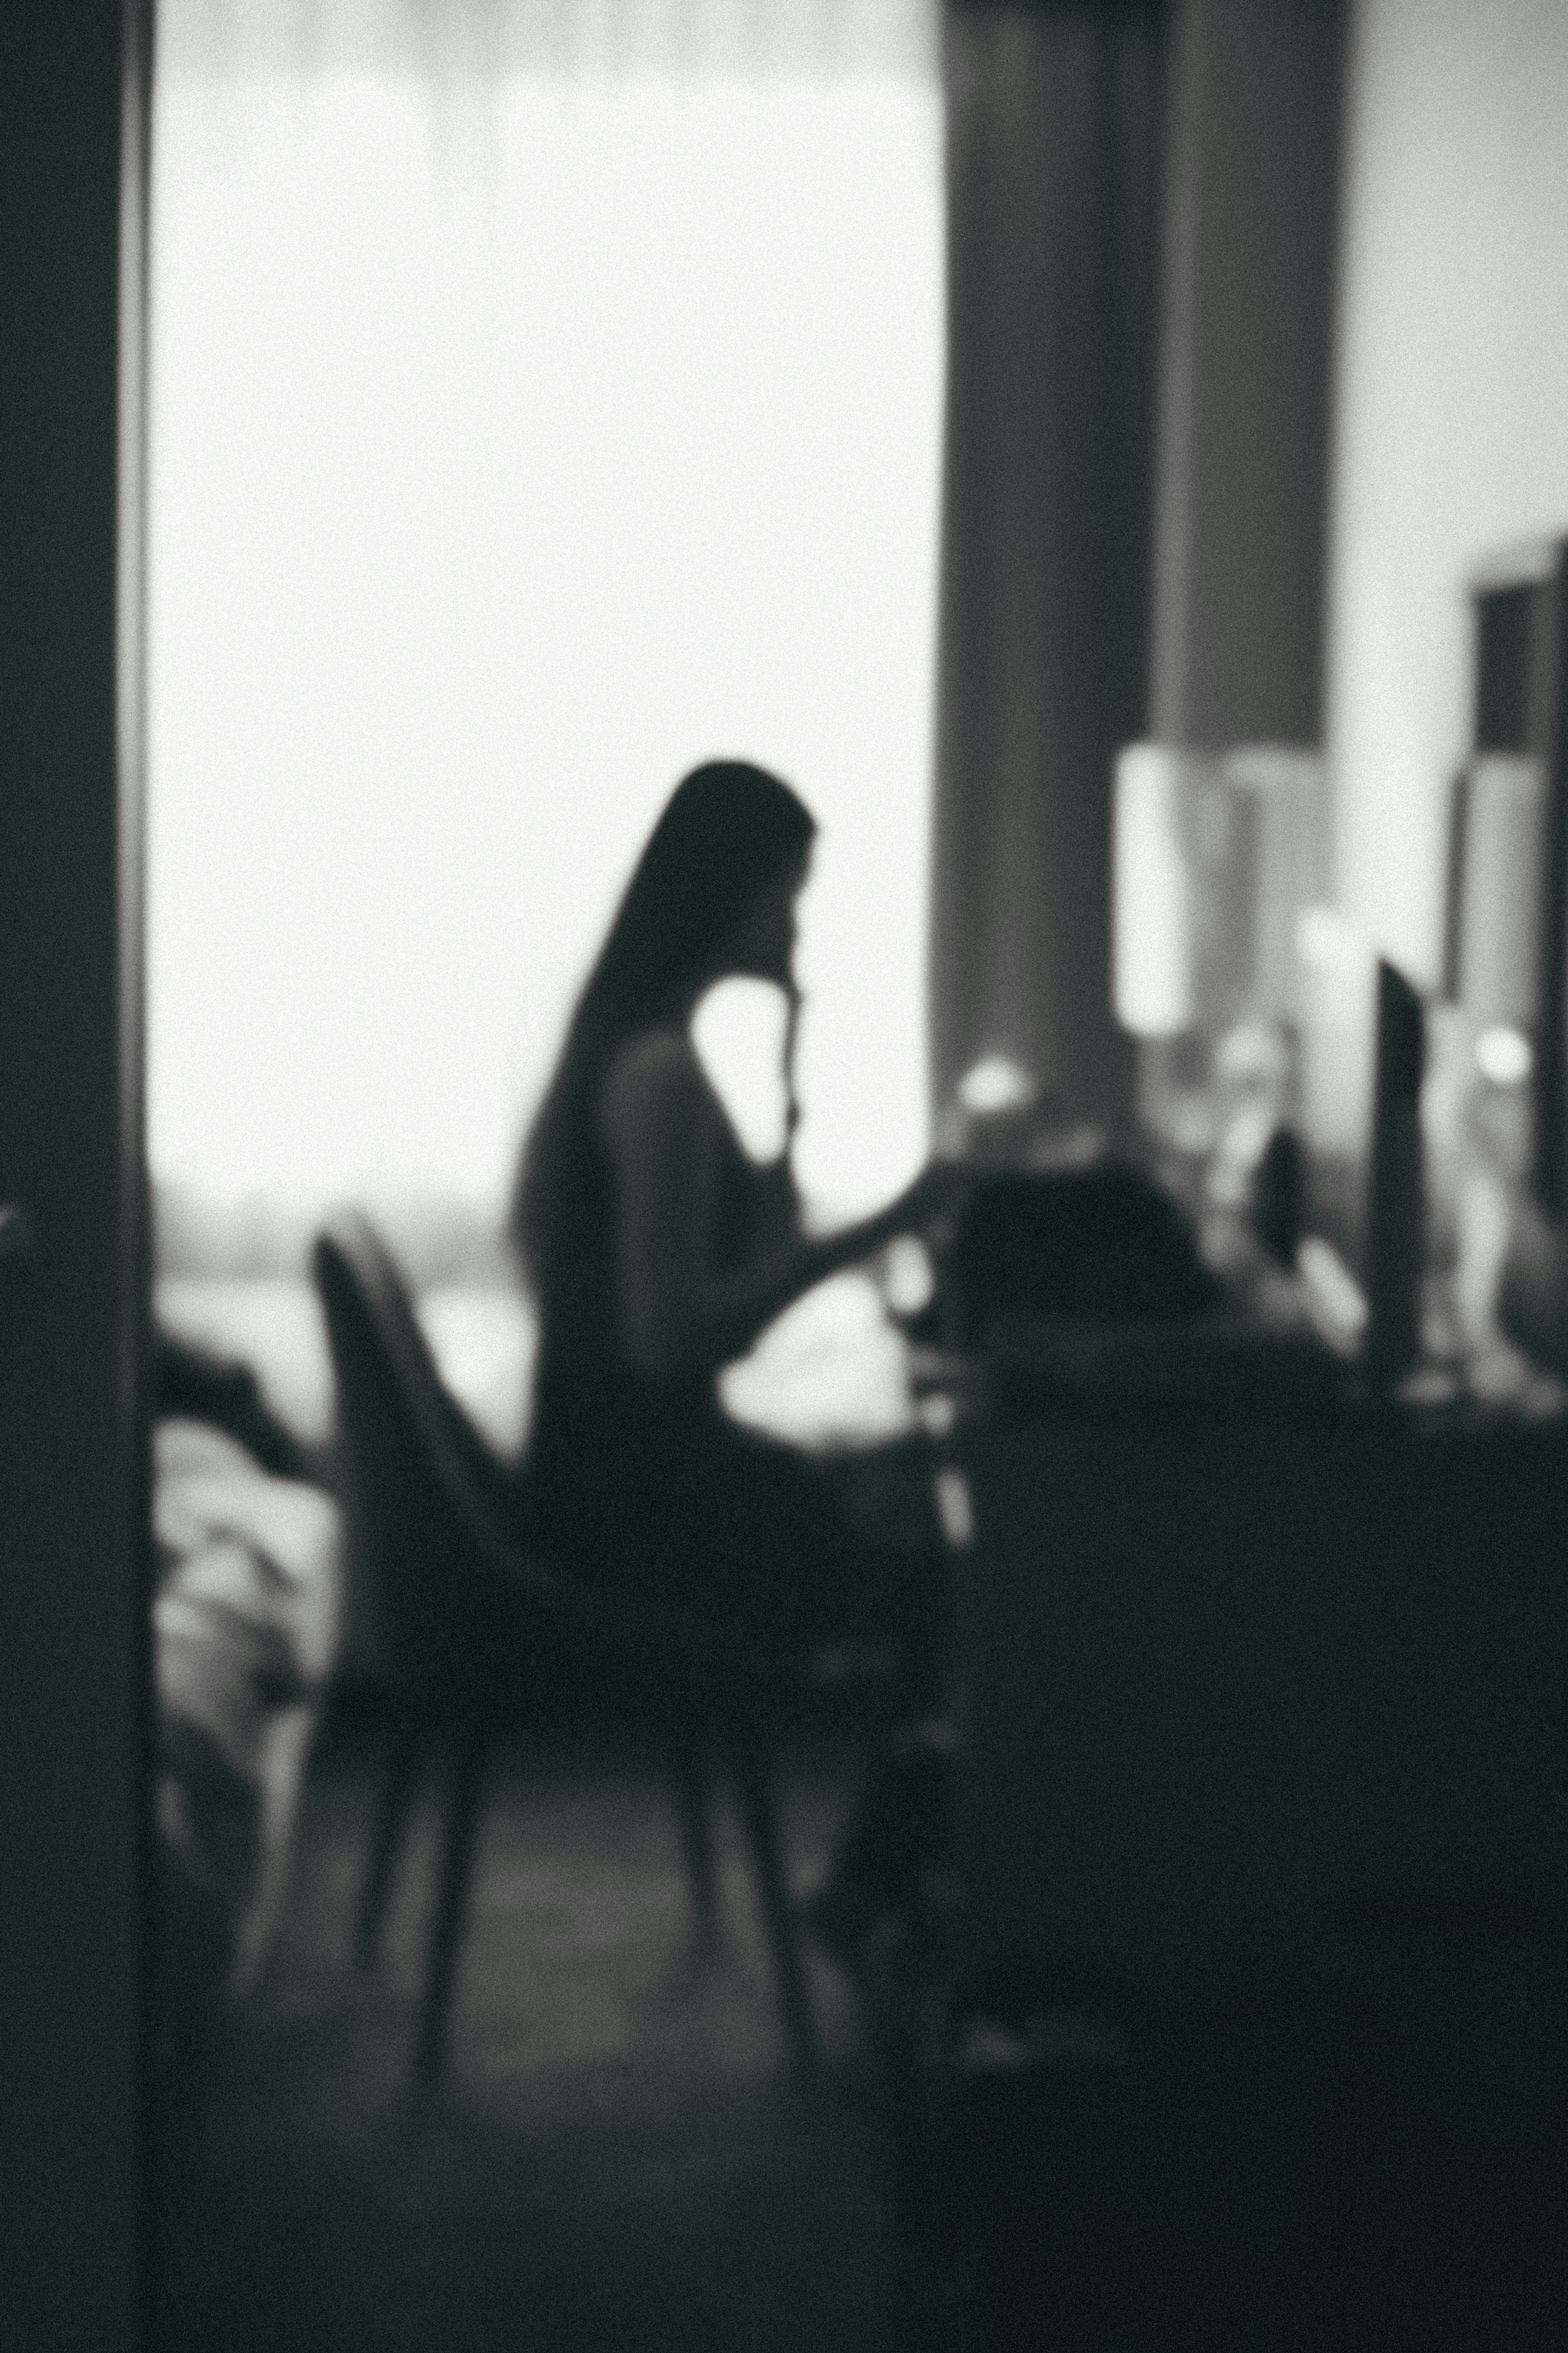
[[398, 1786], [463, 1807], [693, 1792], [760, 1815]]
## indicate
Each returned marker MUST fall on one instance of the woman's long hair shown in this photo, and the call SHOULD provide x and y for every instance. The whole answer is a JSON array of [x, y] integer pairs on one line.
[[728, 830]]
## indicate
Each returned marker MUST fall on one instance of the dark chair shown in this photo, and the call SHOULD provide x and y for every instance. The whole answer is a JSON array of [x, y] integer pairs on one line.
[[472, 1630]]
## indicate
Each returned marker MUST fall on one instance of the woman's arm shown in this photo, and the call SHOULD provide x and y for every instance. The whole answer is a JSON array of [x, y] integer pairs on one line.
[[682, 1311]]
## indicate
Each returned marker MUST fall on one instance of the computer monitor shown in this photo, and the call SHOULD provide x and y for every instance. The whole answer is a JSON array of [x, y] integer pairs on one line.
[[1361, 1055], [1507, 948]]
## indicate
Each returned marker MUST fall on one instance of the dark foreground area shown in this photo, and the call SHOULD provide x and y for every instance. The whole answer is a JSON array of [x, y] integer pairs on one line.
[[621, 2158]]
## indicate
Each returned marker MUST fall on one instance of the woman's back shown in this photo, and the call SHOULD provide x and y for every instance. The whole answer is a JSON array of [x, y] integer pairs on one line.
[[661, 1135]]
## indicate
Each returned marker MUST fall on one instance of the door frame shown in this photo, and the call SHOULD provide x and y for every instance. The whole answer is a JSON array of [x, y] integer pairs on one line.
[[76, 1709]]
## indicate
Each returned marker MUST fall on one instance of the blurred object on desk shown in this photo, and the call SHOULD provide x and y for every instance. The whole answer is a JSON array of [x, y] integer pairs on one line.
[[1000, 1118], [996, 1108], [1214, 860], [1476, 1113], [1395, 1198], [1280, 1197], [1493, 1104], [1294, 1140], [1532, 1287], [1097, 1245], [1218, 860]]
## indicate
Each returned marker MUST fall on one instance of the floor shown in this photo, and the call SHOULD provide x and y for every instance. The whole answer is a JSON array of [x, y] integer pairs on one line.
[[620, 2158]]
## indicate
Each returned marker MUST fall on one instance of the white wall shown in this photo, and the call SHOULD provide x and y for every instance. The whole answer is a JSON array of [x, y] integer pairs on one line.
[[1451, 418]]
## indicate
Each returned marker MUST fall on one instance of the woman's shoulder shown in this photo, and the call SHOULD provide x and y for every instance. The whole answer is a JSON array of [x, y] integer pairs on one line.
[[656, 1072]]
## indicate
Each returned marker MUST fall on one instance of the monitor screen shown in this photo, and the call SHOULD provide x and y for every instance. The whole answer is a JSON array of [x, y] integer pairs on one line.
[[1361, 1053]]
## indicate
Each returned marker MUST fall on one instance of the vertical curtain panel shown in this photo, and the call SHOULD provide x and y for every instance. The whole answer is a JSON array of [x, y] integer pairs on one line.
[[1054, 175]]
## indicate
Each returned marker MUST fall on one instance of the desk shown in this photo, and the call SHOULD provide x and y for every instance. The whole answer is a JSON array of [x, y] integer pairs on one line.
[[1244, 1692], [1262, 1810]]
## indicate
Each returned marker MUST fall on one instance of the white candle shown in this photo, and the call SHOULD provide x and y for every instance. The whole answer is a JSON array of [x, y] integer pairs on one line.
[[1152, 902]]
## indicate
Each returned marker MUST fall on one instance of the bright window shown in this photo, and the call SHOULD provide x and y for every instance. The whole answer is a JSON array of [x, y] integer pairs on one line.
[[516, 444]]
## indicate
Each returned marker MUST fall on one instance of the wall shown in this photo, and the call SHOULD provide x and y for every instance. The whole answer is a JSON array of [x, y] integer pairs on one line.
[[1451, 414]]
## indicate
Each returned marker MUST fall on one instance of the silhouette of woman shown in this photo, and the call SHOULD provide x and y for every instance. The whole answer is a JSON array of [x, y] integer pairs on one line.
[[658, 1251]]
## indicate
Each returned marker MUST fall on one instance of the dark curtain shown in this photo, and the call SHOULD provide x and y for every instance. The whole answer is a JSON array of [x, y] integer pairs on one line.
[[1054, 180]]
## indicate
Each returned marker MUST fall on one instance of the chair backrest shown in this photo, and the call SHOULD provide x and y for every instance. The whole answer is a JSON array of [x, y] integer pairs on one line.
[[451, 1602], [434, 1593]]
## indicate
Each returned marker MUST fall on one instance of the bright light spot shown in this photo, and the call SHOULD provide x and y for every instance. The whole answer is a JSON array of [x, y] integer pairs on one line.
[[1504, 1056], [996, 1084], [1334, 1300], [908, 1279]]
